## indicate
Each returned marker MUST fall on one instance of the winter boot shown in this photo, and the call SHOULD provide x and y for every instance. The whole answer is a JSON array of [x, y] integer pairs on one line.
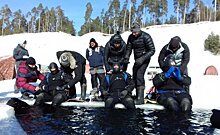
[[16, 90], [83, 91], [93, 92], [139, 95]]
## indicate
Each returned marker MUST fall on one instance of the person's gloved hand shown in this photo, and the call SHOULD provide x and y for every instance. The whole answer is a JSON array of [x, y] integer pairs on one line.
[[105, 93], [169, 72], [66, 86], [126, 61], [43, 87], [139, 61], [58, 88], [123, 94], [110, 61], [177, 73]]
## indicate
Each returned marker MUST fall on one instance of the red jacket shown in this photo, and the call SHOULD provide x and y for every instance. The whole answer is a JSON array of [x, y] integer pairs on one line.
[[26, 75]]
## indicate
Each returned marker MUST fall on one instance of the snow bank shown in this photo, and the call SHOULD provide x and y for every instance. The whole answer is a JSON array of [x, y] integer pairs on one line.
[[6, 111]]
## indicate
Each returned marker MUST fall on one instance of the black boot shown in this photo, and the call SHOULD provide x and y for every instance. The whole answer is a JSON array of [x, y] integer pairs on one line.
[[139, 95], [83, 91]]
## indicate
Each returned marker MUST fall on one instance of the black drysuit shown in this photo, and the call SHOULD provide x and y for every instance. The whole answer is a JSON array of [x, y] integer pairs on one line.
[[50, 92], [119, 87], [171, 92]]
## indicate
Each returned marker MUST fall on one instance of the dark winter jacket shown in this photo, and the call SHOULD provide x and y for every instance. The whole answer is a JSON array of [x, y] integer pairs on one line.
[[19, 52], [95, 56], [162, 83], [78, 71], [118, 83], [26, 75], [181, 57], [143, 46], [113, 55]]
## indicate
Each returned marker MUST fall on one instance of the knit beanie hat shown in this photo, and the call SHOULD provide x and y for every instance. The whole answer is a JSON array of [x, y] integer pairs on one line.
[[92, 40], [31, 61], [135, 27], [174, 43], [25, 42]]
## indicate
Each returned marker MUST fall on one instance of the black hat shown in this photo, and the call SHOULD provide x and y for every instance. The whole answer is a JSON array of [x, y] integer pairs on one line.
[[174, 43], [135, 27], [117, 39], [53, 67], [25, 42], [31, 61], [92, 40], [169, 59]]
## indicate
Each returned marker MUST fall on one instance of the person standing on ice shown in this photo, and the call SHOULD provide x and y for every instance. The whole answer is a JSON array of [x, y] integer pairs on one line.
[[180, 53], [26, 78], [117, 88], [73, 64], [115, 50], [95, 56], [143, 46], [20, 53], [170, 88], [52, 87]]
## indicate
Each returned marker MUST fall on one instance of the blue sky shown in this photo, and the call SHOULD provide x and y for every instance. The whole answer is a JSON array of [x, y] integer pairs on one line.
[[74, 9]]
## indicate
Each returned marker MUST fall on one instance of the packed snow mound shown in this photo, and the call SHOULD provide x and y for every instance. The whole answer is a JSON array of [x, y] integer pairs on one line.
[[6, 111]]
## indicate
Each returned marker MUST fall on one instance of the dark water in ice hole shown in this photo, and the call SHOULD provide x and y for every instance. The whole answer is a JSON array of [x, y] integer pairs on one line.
[[79, 120]]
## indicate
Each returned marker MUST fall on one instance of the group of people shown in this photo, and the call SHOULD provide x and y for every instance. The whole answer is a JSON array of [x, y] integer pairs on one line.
[[109, 79]]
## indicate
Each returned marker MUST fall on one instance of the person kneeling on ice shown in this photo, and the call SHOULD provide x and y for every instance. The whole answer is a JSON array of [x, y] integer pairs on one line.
[[26, 78], [73, 64], [171, 91], [53, 87], [117, 88]]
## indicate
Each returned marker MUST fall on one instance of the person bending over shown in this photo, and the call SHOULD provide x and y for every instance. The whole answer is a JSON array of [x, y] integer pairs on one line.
[[171, 91]]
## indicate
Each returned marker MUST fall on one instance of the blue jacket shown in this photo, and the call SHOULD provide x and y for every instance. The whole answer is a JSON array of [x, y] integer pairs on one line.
[[95, 56]]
